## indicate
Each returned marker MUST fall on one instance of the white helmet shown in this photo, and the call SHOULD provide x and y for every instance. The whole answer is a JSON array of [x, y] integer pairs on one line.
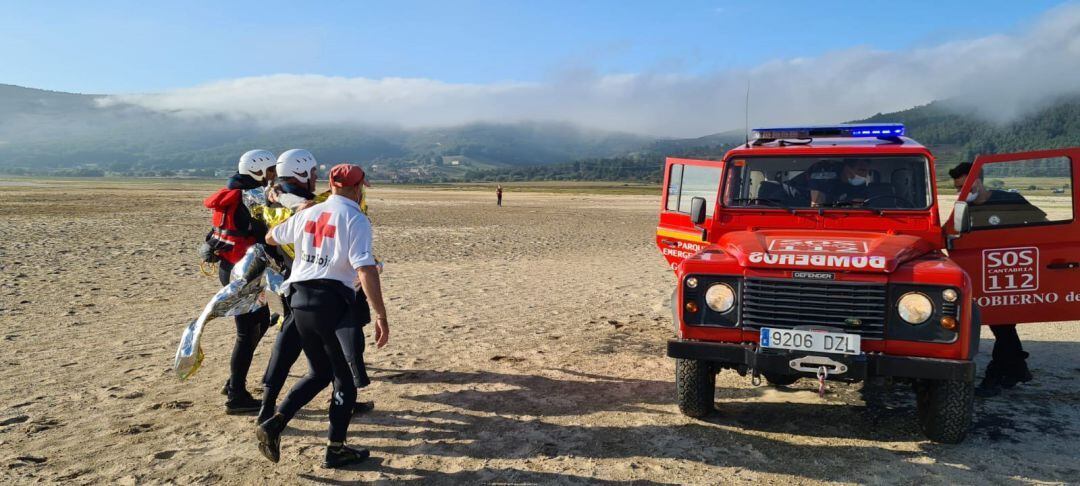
[[255, 162], [295, 163]]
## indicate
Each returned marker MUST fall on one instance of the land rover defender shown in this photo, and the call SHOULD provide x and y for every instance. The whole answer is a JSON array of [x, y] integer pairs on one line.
[[818, 252]]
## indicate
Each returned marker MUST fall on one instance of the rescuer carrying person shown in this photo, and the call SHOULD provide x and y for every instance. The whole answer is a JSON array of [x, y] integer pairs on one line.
[[333, 246], [292, 194], [1008, 362], [234, 231]]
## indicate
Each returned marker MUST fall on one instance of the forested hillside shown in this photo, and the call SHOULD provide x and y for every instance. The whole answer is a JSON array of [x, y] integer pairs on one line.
[[952, 132], [47, 132]]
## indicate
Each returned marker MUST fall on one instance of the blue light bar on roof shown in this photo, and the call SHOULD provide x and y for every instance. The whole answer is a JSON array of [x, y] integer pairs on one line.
[[878, 130]]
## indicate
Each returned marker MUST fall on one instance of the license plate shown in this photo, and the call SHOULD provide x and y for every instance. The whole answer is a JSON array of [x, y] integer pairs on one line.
[[816, 341]]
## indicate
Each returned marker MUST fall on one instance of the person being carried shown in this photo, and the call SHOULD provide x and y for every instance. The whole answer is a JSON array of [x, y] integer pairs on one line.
[[235, 230], [333, 242], [1008, 362]]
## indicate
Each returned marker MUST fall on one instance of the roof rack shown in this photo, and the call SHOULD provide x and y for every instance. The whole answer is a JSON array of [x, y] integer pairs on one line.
[[883, 131]]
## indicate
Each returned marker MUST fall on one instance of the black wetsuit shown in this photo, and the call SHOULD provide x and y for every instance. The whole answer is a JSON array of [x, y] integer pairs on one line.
[[249, 327], [322, 310], [288, 346]]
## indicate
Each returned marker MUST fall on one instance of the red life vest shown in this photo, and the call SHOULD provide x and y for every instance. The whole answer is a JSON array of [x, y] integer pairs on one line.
[[228, 241]]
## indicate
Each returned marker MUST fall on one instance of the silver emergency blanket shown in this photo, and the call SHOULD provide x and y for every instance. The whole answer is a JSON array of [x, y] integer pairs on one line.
[[250, 277], [253, 198]]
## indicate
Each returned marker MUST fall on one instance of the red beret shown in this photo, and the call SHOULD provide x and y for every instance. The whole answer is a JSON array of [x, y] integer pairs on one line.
[[347, 175]]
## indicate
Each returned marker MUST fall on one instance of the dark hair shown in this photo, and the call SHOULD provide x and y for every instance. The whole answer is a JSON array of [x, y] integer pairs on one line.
[[960, 170]]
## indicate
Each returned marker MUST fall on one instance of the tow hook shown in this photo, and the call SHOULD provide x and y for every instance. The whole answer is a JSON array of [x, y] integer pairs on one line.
[[820, 366]]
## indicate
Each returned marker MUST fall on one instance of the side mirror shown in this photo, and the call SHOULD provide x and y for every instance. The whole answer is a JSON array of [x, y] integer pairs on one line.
[[697, 210], [961, 221]]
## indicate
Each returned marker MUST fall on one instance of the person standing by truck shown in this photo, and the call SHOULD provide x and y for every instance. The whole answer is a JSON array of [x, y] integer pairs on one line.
[[1008, 362], [234, 231], [333, 248]]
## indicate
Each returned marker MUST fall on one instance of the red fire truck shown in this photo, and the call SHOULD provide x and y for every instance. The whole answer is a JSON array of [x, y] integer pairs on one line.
[[818, 252]]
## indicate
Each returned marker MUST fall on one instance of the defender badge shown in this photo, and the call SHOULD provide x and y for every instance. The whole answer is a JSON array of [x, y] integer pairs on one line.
[[814, 275]]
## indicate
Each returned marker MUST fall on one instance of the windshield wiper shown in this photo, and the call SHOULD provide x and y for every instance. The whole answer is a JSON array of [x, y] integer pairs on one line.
[[759, 201]]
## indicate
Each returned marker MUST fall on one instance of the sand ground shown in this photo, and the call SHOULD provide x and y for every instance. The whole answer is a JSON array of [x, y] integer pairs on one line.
[[527, 347]]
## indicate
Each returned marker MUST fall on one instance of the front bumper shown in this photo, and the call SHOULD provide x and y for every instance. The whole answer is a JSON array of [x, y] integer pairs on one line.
[[860, 367]]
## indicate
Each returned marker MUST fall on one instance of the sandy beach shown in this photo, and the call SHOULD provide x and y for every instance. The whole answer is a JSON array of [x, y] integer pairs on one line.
[[527, 346]]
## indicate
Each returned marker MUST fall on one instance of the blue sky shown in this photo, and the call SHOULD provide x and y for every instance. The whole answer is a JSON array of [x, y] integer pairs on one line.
[[139, 47]]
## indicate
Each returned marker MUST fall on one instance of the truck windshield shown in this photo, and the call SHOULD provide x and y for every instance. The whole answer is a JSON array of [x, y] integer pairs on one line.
[[897, 182]]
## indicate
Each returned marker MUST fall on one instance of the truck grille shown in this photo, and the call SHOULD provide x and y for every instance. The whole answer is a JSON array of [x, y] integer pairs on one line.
[[789, 303]]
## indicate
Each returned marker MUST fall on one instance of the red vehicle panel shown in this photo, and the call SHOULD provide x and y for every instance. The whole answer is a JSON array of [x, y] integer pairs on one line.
[[1029, 272]]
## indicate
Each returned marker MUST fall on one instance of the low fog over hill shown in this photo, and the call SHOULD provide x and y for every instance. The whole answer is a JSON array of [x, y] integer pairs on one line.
[[46, 132]]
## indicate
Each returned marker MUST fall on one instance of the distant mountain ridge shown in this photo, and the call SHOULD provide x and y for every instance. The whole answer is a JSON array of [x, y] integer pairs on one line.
[[53, 132], [47, 130]]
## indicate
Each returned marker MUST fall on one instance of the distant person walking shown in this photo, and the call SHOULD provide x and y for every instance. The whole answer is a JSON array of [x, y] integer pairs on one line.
[[333, 247], [498, 195]]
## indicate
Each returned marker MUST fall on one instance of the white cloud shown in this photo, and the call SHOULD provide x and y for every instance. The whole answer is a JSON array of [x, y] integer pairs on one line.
[[1001, 75]]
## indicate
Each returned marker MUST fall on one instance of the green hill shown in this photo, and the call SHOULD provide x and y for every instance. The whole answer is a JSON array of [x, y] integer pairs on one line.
[[953, 133], [48, 132]]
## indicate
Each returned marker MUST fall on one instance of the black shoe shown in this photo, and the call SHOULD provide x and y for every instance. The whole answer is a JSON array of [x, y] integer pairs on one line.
[[269, 435], [362, 407], [340, 456], [225, 388], [241, 403]]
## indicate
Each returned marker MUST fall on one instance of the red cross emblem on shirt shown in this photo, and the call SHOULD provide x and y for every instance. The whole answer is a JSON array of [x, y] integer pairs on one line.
[[320, 229]]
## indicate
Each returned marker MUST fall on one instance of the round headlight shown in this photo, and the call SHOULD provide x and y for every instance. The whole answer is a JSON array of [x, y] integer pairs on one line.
[[949, 295], [915, 308], [720, 297], [691, 282]]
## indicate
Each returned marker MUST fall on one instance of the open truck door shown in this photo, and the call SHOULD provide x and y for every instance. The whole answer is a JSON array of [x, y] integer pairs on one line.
[[1018, 237], [685, 180]]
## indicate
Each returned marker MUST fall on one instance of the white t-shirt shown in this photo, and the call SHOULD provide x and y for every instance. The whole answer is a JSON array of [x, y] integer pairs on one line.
[[332, 240]]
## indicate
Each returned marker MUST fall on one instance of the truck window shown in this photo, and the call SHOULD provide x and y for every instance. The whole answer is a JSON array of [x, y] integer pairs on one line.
[[889, 182], [689, 181], [1022, 193], [674, 187]]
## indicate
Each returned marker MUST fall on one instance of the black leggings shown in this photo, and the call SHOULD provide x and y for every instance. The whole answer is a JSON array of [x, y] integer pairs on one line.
[[249, 330], [288, 346], [319, 311]]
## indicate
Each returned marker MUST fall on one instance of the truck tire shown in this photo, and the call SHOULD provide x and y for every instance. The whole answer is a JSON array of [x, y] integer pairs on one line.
[[695, 386], [781, 380], [945, 408]]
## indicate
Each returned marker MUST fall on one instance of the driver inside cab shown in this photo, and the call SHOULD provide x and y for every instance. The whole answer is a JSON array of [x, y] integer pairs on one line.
[[833, 183]]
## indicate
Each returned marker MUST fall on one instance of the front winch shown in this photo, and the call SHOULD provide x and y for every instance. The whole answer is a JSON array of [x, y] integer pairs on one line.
[[813, 364]]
